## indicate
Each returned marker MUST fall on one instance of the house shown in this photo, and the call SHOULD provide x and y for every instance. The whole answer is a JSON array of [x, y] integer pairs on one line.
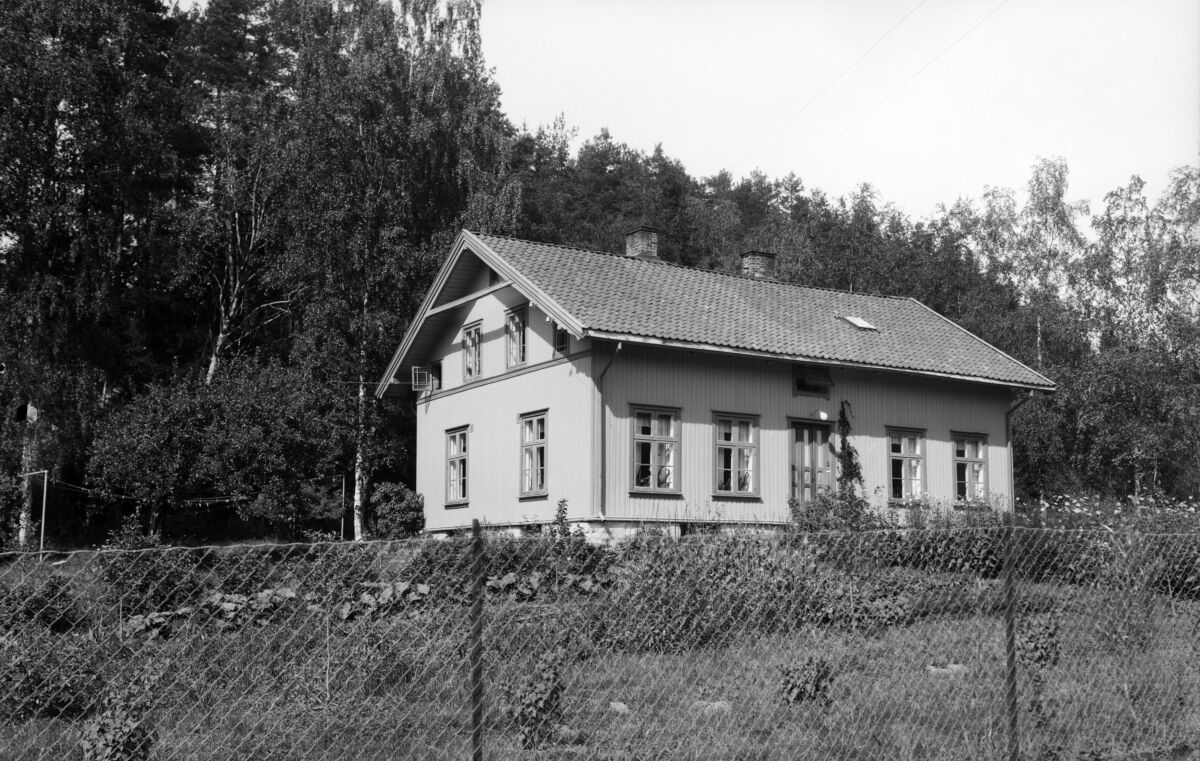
[[642, 391]]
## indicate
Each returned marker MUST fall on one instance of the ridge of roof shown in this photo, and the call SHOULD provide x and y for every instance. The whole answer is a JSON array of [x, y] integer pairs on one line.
[[735, 275]]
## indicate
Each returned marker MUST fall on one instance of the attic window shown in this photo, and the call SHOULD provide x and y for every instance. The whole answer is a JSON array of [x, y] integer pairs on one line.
[[858, 322], [811, 381]]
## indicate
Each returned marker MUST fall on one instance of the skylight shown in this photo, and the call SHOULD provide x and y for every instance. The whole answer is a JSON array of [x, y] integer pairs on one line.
[[858, 322]]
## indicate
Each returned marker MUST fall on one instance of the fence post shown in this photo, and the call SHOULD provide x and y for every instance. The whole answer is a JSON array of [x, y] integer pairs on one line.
[[476, 642], [1010, 638]]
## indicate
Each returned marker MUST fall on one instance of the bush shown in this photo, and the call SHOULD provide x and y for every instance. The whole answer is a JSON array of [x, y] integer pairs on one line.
[[445, 566], [144, 576], [58, 678], [333, 571], [399, 511], [49, 604], [843, 511], [120, 732], [535, 705], [807, 683]]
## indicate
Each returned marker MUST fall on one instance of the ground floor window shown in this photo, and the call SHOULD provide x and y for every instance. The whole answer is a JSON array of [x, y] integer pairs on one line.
[[533, 454], [655, 449], [736, 454], [456, 466], [906, 463], [970, 467]]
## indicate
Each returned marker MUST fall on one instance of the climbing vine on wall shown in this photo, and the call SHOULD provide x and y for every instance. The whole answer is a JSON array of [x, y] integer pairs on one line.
[[849, 468]]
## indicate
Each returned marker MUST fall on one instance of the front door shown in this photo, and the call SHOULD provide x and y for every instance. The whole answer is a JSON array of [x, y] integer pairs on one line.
[[812, 462]]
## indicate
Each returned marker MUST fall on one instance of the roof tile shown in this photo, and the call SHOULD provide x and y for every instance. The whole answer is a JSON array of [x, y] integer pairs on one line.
[[656, 299]]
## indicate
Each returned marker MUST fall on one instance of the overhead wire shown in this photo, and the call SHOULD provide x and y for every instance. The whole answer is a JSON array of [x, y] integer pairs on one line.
[[905, 83], [826, 88]]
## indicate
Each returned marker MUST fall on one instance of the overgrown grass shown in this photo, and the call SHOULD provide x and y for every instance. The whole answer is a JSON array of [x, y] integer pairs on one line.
[[692, 640]]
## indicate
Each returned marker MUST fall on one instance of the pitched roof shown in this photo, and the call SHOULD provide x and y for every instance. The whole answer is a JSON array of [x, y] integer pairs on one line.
[[610, 295]]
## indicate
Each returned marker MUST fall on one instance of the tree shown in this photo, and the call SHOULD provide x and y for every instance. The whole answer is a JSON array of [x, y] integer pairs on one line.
[[96, 145], [397, 139], [257, 435]]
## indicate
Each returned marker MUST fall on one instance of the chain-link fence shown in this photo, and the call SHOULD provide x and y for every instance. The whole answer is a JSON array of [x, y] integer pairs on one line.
[[988, 643]]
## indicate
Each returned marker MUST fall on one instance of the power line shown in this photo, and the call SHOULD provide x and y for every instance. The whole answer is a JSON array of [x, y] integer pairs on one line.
[[905, 83], [826, 88]]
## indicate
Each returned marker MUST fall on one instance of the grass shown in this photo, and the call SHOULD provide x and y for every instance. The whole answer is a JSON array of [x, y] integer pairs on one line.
[[304, 684]]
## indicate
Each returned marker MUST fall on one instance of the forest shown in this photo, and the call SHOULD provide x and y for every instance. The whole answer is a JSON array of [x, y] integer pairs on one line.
[[215, 225]]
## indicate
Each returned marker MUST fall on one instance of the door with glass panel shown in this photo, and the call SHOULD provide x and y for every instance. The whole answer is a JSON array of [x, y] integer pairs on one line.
[[812, 462]]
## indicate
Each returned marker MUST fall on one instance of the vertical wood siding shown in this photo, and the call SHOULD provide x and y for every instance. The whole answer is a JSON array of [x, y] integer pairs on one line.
[[701, 384]]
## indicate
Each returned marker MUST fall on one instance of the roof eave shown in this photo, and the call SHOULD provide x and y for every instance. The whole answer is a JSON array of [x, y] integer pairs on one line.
[[604, 335]]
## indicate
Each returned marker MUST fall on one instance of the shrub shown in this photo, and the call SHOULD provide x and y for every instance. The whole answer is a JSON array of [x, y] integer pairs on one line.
[[143, 575], [59, 678], [841, 511], [807, 683], [445, 566], [334, 571], [49, 604], [398, 510], [121, 732], [535, 704]]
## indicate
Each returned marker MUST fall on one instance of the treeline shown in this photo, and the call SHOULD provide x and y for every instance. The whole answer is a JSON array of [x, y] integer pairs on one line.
[[214, 226]]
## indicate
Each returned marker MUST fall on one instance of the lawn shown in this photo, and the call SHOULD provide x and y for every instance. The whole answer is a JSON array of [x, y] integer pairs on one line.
[[913, 665]]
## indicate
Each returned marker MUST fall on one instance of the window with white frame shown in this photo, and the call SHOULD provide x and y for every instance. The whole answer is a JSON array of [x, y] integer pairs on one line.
[[906, 463], [514, 331], [533, 454], [456, 466], [737, 454], [471, 340], [655, 449], [970, 467]]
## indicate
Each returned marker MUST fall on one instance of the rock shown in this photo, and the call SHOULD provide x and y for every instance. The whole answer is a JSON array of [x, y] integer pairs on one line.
[[712, 707], [564, 735], [618, 707], [950, 669]]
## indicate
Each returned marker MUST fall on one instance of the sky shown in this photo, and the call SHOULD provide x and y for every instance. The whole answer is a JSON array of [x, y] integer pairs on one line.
[[926, 100]]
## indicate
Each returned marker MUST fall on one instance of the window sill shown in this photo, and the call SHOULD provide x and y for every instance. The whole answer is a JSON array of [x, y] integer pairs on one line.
[[655, 493], [743, 497], [906, 504], [456, 505], [533, 496]]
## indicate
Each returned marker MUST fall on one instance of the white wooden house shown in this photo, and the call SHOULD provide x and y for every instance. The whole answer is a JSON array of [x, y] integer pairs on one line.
[[642, 391]]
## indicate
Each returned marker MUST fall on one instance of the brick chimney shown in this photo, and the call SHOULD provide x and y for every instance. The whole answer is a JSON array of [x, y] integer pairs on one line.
[[642, 243], [758, 264]]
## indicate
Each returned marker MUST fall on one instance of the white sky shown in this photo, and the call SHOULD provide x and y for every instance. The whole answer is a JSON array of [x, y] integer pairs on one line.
[[927, 115]]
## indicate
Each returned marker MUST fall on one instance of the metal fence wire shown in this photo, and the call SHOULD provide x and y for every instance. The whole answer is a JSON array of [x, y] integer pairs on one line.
[[992, 643]]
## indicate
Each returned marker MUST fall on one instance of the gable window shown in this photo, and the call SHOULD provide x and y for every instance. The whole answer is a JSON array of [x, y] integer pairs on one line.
[[655, 449], [906, 463], [970, 467], [456, 466], [533, 454], [471, 351], [514, 331], [562, 339], [737, 454]]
